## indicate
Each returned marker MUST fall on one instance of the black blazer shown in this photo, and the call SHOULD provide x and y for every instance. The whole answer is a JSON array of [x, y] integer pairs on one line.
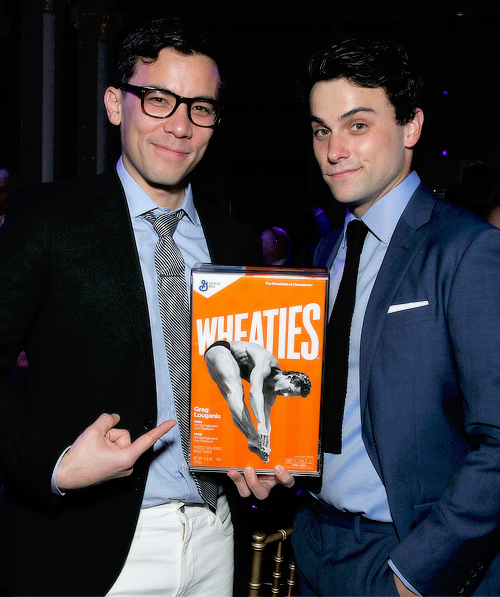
[[72, 296]]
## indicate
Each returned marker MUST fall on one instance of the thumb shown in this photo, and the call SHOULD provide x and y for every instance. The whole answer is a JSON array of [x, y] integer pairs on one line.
[[105, 422]]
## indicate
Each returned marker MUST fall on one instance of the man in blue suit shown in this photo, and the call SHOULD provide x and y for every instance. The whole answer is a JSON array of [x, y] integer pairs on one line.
[[411, 505]]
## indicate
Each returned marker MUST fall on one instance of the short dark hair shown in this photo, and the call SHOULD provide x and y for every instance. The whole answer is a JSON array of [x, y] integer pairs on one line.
[[372, 62], [146, 42], [299, 379]]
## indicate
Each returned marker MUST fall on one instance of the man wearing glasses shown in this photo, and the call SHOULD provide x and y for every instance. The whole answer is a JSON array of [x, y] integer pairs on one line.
[[92, 504]]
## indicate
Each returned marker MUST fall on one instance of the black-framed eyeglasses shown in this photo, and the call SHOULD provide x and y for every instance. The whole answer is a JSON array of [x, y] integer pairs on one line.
[[161, 103]]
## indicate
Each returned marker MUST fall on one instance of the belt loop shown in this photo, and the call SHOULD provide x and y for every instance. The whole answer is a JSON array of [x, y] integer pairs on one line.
[[138, 528], [314, 505], [212, 515], [357, 528]]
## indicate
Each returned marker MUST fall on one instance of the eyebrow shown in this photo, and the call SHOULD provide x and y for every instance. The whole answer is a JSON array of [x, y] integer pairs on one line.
[[344, 116], [318, 120], [355, 111]]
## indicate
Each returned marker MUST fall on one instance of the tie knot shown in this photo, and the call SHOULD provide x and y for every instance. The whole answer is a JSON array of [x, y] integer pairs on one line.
[[166, 224], [356, 233]]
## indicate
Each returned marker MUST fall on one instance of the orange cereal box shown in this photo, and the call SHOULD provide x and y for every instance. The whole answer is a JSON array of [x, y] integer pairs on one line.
[[257, 368]]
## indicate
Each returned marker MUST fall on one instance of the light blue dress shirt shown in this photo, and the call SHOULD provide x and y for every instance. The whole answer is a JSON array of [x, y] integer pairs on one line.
[[169, 477], [350, 481]]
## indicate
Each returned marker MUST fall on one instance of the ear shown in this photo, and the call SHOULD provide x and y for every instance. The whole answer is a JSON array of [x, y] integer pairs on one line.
[[414, 129], [113, 101]]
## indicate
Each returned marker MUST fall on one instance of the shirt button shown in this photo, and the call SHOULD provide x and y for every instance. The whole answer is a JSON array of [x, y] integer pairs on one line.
[[148, 425]]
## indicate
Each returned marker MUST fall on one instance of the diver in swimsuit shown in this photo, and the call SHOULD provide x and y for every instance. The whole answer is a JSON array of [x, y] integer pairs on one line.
[[230, 362]]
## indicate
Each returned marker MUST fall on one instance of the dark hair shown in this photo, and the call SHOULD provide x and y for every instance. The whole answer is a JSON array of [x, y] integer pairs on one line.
[[146, 43], [372, 62], [299, 379]]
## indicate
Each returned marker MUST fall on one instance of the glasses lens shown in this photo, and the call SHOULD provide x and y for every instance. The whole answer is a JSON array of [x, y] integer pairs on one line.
[[204, 113], [159, 103]]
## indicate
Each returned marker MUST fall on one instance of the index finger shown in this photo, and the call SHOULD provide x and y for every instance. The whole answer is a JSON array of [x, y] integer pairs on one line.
[[144, 442], [283, 476], [241, 484], [260, 486]]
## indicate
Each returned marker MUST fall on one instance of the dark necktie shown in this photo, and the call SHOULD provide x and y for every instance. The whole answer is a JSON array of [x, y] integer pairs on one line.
[[174, 311], [337, 342]]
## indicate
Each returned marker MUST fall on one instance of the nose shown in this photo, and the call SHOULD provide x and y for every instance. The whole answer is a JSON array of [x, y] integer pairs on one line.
[[337, 149], [178, 123]]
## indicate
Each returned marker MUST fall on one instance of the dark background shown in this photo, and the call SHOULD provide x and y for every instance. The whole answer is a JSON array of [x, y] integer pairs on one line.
[[56, 57]]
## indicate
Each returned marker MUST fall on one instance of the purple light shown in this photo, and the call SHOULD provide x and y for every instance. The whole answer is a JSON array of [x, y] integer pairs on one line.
[[254, 506], [445, 93], [444, 152]]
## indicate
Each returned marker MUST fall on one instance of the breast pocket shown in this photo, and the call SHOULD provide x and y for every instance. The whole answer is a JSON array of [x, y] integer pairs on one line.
[[417, 312]]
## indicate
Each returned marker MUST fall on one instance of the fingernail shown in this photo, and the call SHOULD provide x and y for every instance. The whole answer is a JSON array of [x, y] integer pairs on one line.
[[278, 468]]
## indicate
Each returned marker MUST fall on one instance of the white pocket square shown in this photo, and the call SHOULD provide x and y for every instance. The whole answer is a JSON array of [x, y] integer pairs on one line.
[[405, 306]]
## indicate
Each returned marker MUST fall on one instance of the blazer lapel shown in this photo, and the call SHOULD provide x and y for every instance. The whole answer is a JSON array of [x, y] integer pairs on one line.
[[214, 234], [229, 243], [109, 207], [408, 237], [328, 247]]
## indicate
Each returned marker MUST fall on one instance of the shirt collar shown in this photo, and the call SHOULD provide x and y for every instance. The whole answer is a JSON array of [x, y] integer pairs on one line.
[[139, 202], [383, 216]]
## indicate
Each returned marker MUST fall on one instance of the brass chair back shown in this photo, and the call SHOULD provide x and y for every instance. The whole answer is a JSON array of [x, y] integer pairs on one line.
[[260, 541]]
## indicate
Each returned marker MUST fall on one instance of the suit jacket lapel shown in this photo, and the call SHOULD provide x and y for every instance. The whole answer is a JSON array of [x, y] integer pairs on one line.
[[228, 242], [408, 236], [109, 207], [328, 247], [213, 234]]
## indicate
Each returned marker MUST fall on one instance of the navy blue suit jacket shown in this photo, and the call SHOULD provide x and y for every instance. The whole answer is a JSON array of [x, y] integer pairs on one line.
[[430, 394]]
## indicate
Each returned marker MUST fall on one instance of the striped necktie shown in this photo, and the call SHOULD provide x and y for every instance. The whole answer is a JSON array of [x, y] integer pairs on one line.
[[174, 311]]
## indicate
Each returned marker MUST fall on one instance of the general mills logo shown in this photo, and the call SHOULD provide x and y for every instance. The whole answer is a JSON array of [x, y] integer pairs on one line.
[[204, 286]]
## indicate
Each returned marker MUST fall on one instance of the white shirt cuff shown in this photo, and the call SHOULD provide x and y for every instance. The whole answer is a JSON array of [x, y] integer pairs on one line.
[[53, 484]]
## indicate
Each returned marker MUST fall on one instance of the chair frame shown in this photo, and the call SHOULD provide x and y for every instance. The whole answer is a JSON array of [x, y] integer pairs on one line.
[[259, 543]]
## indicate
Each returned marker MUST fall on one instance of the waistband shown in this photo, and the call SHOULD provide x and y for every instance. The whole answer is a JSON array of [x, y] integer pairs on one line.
[[327, 514]]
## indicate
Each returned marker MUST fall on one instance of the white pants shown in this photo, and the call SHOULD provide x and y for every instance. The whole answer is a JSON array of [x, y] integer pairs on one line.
[[179, 550]]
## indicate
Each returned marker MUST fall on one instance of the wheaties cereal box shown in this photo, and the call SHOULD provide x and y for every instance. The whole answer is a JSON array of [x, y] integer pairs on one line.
[[257, 367]]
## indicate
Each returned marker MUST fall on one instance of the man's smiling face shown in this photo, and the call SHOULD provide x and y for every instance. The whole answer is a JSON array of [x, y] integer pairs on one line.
[[160, 153], [362, 152]]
